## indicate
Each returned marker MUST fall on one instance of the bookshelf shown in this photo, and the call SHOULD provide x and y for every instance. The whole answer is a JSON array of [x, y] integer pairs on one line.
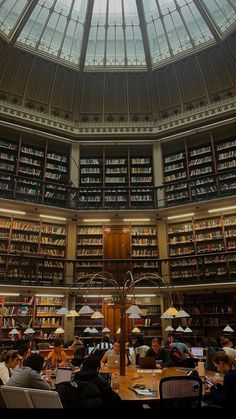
[[150, 321], [90, 242], [19, 236], [121, 176], [84, 321], [144, 249], [42, 173], [209, 313], [203, 248], [175, 176], [226, 164], [46, 319], [16, 311]]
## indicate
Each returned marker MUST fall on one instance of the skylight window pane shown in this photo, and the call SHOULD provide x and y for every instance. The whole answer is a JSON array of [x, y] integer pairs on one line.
[[32, 30], [72, 42], [10, 12], [115, 12], [99, 12], [222, 12], [130, 12]]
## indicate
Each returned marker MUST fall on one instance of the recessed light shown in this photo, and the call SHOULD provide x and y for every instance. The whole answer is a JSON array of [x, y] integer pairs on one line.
[[222, 209], [96, 220], [136, 219], [53, 217], [12, 211], [171, 217]]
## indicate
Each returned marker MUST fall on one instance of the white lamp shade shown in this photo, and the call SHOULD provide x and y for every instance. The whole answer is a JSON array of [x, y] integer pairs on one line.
[[105, 330], [182, 313], [170, 313], [134, 316], [97, 315], [118, 331], [136, 330], [179, 329], [62, 311], [59, 331], [13, 332], [228, 329], [94, 330], [188, 330], [134, 309], [85, 310], [29, 331], [87, 330], [169, 329], [72, 313]]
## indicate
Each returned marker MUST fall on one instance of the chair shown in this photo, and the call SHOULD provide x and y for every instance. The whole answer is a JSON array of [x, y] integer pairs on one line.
[[180, 392], [28, 398]]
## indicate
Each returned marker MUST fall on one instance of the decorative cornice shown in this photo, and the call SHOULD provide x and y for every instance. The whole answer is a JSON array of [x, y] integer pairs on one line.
[[152, 128]]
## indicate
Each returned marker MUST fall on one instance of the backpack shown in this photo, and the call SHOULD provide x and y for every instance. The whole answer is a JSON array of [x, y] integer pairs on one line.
[[175, 354]]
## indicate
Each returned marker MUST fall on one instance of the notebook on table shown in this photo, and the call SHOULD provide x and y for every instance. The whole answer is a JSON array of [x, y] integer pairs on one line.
[[63, 374], [147, 362], [113, 361]]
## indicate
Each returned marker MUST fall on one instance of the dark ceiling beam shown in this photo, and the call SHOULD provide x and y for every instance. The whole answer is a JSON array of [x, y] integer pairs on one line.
[[143, 27], [84, 43]]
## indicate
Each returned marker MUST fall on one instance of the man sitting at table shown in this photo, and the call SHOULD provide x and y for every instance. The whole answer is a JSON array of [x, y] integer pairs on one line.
[[160, 353]]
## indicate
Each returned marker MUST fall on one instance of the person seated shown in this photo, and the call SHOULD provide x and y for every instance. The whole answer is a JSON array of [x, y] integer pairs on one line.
[[180, 353], [87, 389], [29, 375], [57, 356], [76, 342], [224, 394], [8, 361], [114, 351], [160, 353]]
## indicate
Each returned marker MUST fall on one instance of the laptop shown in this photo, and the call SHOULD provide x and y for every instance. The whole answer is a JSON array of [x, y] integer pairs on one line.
[[197, 352], [63, 374], [113, 361], [147, 362]]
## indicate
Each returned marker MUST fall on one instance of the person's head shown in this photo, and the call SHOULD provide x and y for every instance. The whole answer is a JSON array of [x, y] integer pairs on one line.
[[227, 343], [10, 358], [223, 362], [116, 347], [105, 339], [24, 350], [35, 362], [90, 364], [58, 345], [171, 338], [156, 345]]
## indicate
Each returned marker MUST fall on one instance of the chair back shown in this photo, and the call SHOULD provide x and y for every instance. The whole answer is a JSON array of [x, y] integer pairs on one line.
[[181, 392], [28, 398]]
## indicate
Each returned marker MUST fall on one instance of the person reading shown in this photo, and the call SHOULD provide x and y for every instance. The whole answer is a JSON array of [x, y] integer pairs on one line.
[[57, 356]]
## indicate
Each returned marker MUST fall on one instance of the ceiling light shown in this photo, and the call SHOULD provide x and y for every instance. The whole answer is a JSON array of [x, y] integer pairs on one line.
[[12, 211], [136, 330], [13, 332], [189, 214], [87, 220], [53, 217], [169, 329], [228, 329], [222, 209], [59, 331], [141, 295], [96, 296], [136, 219], [105, 330], [179, 329], [10, 294], [29, 331]]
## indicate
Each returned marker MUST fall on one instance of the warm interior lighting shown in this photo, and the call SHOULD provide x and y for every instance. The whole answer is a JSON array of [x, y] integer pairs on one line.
[[93, 330], [228, 329], [136, 330], [169, 329], [12, 211], [87, 330], [29, 331], [134, 309], [62, 311], [72, 313], [97, 315], [10, 294], [97, 296], [189, 214], [222, 209], [13, 332], [134, 316], [182, 313], [188, 330], [136, 219], [118, 331], [85, 310], [179, 329], [59, 331], [141, 295], [170, 313], [53, 217], [48, 295], [97, 220], [105, 330]]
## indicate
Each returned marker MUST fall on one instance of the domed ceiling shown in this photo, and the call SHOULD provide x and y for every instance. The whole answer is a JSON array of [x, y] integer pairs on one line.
[[106, 61]]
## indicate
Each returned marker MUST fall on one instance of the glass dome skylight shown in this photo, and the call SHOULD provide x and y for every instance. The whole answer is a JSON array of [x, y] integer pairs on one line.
[[116, 33]]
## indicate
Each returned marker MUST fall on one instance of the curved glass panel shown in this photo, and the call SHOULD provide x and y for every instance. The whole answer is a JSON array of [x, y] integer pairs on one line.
[[222, 12], [171, 28], [115, 37], [10, 13], [56, 28], [174, 27]]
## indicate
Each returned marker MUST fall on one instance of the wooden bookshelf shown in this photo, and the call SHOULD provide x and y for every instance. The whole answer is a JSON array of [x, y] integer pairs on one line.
[[144, 249], [90, 240]]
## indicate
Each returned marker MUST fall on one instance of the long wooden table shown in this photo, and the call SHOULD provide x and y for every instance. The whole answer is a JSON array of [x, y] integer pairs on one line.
[[136, 376]]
